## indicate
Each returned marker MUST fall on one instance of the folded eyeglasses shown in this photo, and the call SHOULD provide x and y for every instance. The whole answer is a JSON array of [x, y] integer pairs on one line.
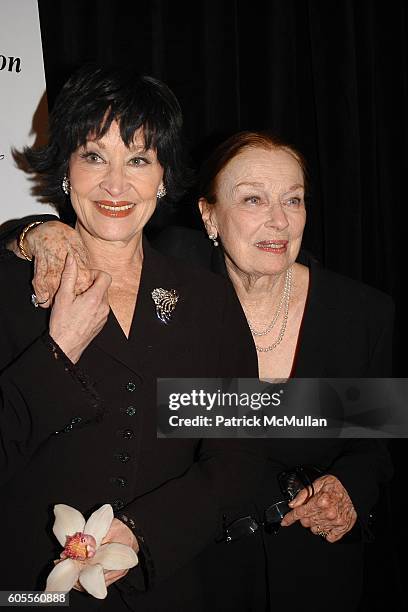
[[290, 482]]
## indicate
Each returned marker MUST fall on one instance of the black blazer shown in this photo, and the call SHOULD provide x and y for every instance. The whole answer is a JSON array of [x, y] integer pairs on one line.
[[85, 435], [346, 332]]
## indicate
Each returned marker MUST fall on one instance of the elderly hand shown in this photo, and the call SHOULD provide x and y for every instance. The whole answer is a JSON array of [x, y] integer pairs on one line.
[[330, 509], [77, 319], [49, 244], [118, 532]]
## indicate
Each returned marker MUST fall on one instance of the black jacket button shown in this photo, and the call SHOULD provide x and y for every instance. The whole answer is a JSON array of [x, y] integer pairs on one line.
[[118, 504], [122, 457]]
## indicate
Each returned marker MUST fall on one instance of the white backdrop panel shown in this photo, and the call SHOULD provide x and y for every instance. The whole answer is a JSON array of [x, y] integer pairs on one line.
[[22, 87]]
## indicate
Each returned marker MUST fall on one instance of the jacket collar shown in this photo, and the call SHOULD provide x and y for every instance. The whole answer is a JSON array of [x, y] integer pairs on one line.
[[147, 333]]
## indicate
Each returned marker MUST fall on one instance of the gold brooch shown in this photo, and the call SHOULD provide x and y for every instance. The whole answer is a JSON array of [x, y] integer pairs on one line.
[[165, 301]]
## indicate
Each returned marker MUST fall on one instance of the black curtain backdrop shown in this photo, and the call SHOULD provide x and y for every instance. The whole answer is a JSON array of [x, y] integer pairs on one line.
[[331, 77]]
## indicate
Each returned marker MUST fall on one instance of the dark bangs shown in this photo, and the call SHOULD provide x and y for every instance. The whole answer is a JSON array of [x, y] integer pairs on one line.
[[90, 100]]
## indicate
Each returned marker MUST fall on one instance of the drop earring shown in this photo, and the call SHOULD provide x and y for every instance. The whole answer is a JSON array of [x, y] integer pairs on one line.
[[161, 192], [65, 185], [213, 237]]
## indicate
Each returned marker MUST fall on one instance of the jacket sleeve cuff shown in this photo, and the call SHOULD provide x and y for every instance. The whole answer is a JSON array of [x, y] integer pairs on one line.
[[141, 577], [361, 472], [80, 379]]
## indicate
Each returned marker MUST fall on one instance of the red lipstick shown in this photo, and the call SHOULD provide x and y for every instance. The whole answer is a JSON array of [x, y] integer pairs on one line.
[[273, 246], [114, 209]]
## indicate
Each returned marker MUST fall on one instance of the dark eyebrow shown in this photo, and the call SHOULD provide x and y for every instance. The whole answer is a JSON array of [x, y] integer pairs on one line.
[[138, 148], [133, 148]]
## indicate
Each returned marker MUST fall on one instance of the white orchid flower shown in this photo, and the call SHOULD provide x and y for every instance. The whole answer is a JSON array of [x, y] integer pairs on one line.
[[84, 558]]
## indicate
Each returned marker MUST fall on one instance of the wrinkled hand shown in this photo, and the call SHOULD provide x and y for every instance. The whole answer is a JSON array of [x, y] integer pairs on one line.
[[118, 532], [77, 319], [49, 244], [330, 509]]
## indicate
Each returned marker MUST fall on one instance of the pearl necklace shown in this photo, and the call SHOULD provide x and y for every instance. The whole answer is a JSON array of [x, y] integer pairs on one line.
[[284, 301], [286, 289]]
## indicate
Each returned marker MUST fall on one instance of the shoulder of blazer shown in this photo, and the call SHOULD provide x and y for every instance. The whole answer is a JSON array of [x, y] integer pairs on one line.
[[185, 244], [337, 292], [180, 271], [340, 314]]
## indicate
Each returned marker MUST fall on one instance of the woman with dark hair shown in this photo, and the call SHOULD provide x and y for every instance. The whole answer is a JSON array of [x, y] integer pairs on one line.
[[78, 380], [305, 322]]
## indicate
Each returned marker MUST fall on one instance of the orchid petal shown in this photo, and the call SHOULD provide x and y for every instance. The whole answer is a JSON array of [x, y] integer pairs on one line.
[[68, 521], [115, 556], [93, 580], [63, 576], [99, 523]]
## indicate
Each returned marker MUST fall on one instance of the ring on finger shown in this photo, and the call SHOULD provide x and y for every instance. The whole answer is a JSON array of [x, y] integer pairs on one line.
[[35, 302], [321, 532]]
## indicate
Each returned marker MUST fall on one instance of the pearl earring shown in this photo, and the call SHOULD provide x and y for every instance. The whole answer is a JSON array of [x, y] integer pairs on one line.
[[213, 237]]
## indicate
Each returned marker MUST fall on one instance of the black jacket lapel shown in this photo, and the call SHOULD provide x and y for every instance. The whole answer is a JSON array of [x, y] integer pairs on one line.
[[322, 322], [148, 335]]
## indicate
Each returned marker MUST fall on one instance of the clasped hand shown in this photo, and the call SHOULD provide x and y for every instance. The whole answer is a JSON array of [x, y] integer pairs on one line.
[[77, 319], [49, 244]]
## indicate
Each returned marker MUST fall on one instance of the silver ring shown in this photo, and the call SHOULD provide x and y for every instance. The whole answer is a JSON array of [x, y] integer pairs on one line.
[[35, 302]]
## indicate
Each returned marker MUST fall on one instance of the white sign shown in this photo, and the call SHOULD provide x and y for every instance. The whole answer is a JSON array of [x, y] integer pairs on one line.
[[23, 105]]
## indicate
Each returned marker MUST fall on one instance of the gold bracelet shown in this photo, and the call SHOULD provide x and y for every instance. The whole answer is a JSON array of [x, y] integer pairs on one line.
[[23, 235]]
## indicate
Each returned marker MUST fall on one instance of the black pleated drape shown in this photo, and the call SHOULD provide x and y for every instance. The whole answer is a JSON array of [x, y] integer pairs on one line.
[[330, 76]]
